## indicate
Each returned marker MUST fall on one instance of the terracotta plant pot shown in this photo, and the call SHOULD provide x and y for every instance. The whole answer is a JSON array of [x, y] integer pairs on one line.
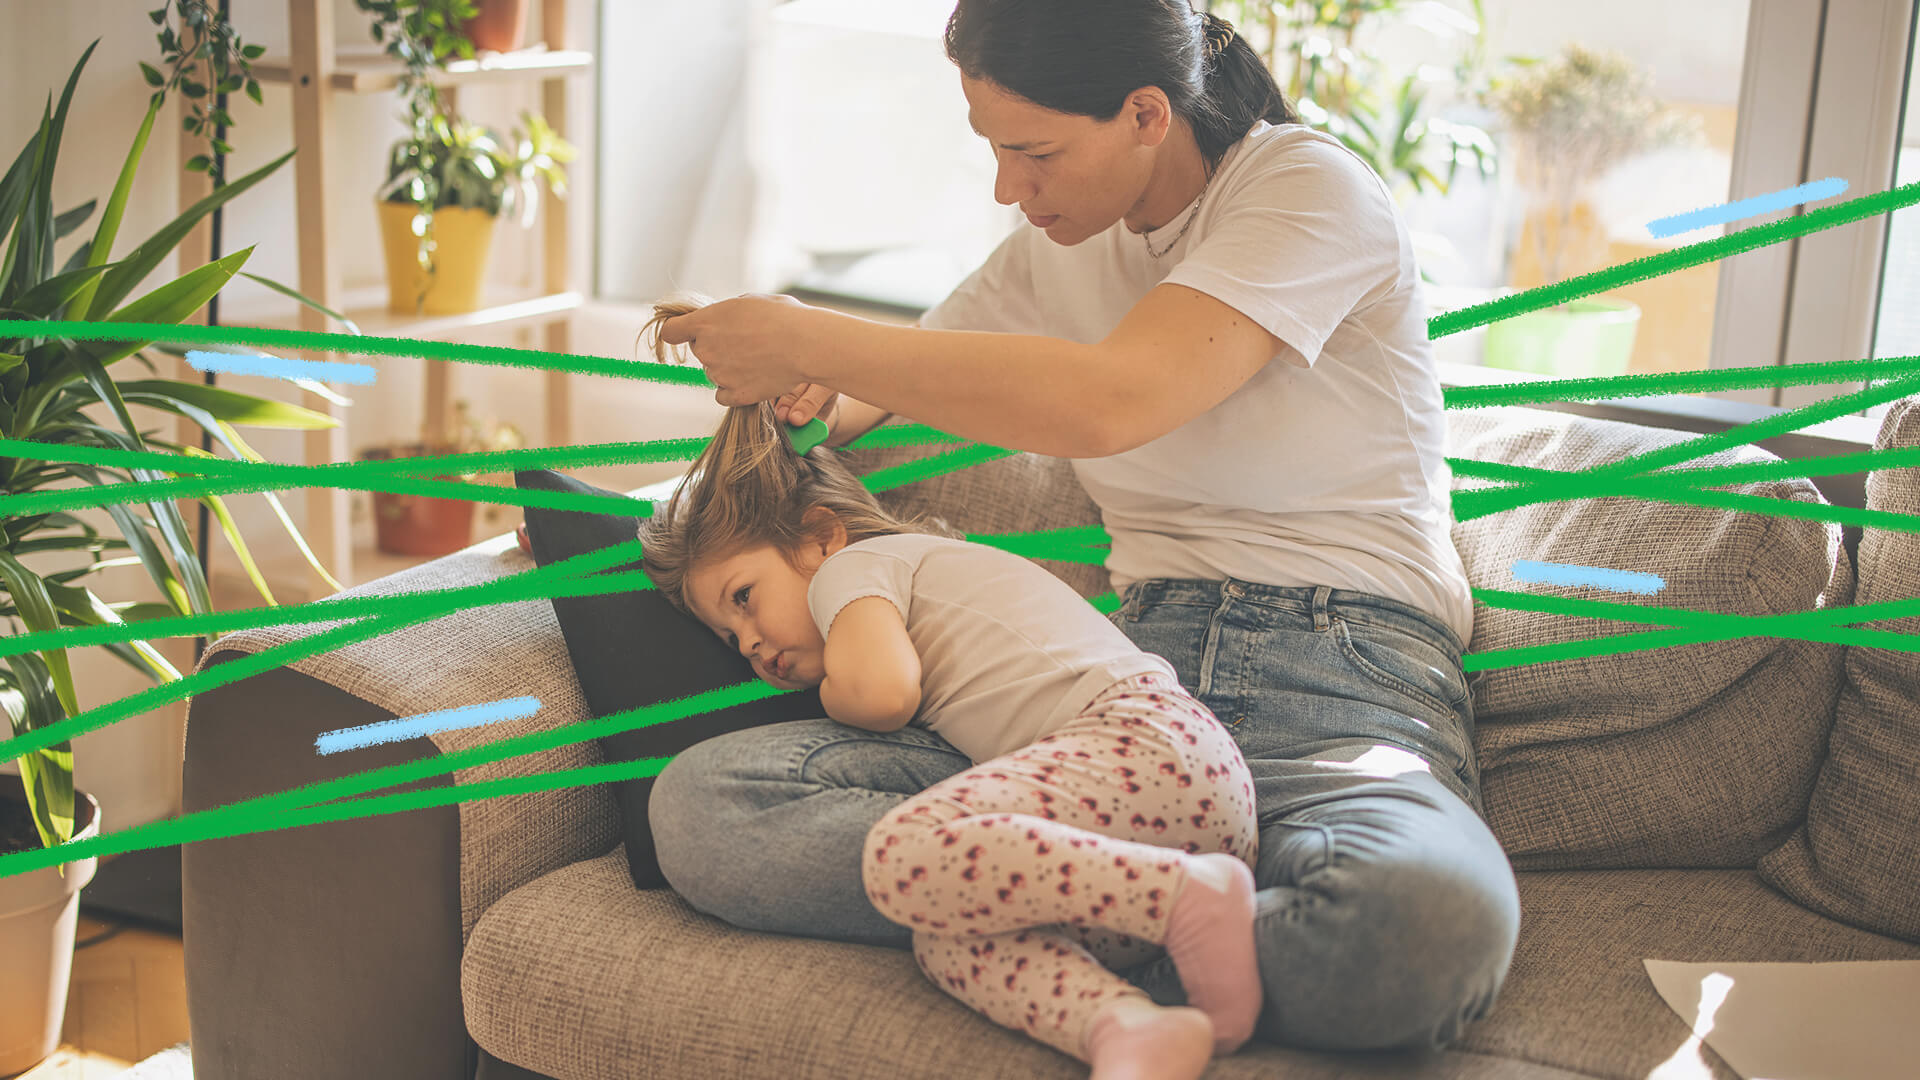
[[37, 913], [462, 237], [417, 524], [500, 25]]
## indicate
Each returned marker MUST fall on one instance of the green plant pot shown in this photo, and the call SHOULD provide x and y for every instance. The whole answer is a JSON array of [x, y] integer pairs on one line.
[[1589, 338]]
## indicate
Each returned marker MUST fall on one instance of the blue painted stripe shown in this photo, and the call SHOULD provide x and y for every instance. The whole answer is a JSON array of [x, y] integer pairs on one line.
[[1547, 573], [276, 368], [407, 727], [1745, 208]]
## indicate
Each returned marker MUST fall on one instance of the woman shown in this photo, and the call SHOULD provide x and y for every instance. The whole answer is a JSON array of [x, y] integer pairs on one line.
[[1215, 313]]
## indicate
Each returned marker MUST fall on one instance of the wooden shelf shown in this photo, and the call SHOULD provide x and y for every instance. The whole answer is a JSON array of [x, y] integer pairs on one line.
[[369, 312], [315, 70], [372, 72]]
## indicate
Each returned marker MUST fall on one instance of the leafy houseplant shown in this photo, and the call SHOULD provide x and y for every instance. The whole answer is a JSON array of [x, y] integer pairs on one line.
[[65, 392], [1345, 89], [422, 525], [1572, 120], [448, 179]]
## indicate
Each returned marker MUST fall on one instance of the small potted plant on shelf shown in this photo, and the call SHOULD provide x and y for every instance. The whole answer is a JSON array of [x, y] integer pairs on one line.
[[444, 191], [73, 393], [499, 25], [423, 525], [1573, 119], [449, 180]]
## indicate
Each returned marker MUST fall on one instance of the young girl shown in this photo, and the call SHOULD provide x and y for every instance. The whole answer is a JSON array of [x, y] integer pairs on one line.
[[1108, 814]]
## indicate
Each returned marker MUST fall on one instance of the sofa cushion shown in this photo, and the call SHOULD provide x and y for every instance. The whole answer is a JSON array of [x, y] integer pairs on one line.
[[1021, 493], [633, 649], [1858, 856], [1686, 755], [1577, 995], [578, 976]]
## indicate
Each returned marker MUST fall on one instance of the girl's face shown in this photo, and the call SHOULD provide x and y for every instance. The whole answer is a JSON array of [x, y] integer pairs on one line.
[[1072, 175], [757, 603]]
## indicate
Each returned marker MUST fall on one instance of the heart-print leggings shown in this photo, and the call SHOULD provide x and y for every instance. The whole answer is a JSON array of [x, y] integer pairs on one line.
[[1027, 877]]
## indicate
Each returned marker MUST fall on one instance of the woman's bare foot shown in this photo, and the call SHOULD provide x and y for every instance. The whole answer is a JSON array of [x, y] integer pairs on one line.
[[1210, 938], [1134, 1039]]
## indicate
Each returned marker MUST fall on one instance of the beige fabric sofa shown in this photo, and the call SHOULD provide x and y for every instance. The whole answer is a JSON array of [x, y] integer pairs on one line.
[[502, 938]]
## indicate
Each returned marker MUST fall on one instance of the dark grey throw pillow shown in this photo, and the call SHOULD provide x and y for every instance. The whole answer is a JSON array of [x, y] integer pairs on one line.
[[633, 649], [1857, 858]]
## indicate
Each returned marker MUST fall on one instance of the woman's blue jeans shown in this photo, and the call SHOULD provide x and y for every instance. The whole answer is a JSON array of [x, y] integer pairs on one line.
[[1387, 911]]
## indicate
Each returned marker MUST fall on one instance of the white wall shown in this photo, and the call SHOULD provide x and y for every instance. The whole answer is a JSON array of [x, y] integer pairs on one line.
[[666, 113]]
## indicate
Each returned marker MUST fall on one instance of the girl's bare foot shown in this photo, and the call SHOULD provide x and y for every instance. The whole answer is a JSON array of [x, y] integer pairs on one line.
[[1134, 1039], [1210, 938]]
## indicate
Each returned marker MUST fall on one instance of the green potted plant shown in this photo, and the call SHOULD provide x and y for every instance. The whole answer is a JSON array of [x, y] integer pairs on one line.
[[427, 526], [1573, 119], [449, 180], [70, 392], [1337, 84]]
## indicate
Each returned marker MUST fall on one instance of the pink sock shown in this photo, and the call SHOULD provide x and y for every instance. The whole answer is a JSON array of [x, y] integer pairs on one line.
[[1210, 938]]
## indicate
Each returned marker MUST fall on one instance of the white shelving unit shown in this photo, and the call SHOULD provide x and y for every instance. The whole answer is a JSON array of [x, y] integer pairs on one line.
[[314, 71]]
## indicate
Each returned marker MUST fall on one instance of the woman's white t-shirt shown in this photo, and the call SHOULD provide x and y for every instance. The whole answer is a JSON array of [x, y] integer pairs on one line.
[[1327, 468]]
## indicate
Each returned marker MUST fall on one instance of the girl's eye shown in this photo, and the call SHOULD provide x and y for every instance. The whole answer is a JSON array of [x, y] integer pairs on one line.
[[740, 594], [1042, 157]]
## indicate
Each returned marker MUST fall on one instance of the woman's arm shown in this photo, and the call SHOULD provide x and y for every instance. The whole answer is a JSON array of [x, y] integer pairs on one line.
[[1178, 353], [872, 669]]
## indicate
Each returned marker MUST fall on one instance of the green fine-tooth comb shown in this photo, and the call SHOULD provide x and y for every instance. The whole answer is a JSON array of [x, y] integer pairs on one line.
[[808, 435]]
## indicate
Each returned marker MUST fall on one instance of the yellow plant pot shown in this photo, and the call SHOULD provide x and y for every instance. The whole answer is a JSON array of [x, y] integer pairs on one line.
[[462, 236]]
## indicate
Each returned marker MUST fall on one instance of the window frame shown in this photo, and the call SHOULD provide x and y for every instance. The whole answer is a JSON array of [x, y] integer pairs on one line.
[[1825, 285]]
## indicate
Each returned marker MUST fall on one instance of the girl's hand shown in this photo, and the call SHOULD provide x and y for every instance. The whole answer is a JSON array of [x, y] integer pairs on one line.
[[753, 347]]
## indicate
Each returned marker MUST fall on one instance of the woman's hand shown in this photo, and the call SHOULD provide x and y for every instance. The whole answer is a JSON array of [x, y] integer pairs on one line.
[[753, 347]]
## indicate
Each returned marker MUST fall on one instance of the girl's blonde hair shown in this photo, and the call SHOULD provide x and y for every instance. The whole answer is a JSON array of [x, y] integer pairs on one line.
[[748, 489]]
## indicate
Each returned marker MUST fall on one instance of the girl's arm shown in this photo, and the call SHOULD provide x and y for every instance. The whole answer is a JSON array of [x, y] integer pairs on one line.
[[854, 419], [872, 669]]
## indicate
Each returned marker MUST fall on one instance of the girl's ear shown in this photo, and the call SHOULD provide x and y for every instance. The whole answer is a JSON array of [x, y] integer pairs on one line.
[[826, 533]]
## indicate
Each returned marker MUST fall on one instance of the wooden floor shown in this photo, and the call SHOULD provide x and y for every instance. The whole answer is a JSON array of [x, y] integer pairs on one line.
[[127, 1001]]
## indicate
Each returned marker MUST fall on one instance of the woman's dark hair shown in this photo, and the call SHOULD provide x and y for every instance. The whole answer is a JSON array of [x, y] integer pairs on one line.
[[1085, 56]]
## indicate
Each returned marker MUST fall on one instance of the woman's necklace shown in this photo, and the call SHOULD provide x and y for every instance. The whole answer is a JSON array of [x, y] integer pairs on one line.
[[1195, 212]]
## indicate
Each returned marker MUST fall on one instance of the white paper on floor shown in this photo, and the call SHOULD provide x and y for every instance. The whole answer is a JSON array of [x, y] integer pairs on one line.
[[1840, 1021]]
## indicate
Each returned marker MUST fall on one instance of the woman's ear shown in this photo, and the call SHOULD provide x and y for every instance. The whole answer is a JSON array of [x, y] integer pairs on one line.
[[1151, 115]]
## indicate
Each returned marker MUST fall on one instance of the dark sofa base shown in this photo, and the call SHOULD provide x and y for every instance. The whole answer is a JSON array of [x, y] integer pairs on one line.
[[300, 943], [492, 1068]]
